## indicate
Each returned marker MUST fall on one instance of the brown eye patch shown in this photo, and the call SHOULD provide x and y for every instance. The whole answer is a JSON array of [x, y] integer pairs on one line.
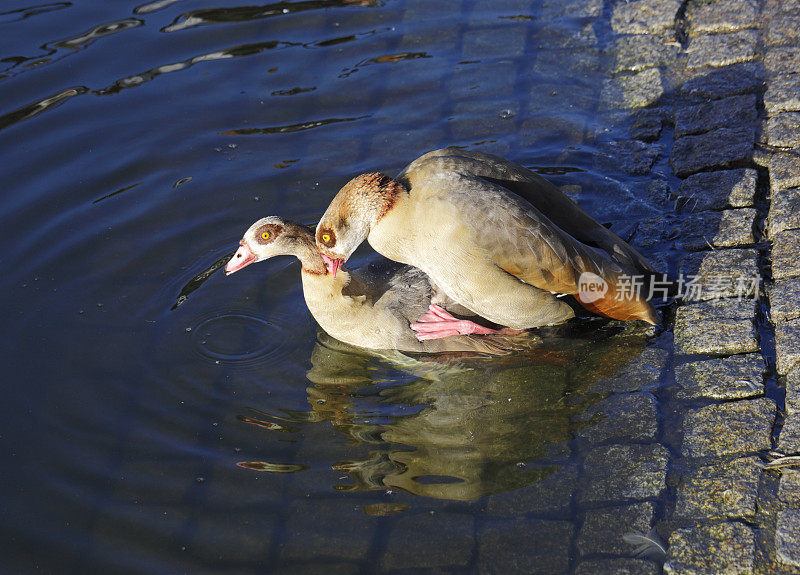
[[268, 232]]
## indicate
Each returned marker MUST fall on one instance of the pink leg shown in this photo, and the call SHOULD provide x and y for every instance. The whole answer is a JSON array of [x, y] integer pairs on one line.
[[436, 323]]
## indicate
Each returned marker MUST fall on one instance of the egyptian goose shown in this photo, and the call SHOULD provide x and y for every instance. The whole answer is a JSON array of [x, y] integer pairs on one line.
[[495, 237], [371, 310]]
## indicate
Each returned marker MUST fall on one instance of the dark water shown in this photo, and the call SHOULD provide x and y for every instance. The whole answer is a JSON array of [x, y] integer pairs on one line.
[[224, 434]]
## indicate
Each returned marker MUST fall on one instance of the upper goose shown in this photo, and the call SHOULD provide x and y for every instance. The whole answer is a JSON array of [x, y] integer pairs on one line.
[[373, 312], [494, 236]]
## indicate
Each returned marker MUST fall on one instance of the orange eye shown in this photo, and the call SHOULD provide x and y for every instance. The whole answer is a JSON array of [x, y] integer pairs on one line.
[[265, 235], [326, 238]]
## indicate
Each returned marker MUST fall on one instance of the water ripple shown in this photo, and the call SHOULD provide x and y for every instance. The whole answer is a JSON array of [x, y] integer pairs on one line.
[[291, 127]]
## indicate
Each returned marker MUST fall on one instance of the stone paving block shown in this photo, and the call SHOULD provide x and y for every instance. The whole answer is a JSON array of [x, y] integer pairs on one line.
[[728, 428], [782, 94], [642, 373], [716, 327], [784, 173], [468, 79], [784, 300], [782, 60], [789, 488], [715, 149], [789, 439], [571, 8], [619, 473], [787, 346], [719, 491], [473, 119], [425, 541], [718, 190], [793, 391], [495, 42], [721, 16], [524, 546], [602, 529], [647, 124], [617, 567], [722, 49], [787, 538], [784, 211], [644, 16], [744, 78], [725, 548], [734, 377], [638, 52], [629, 156], [632, 90], [541, 131], [704, 117], [550, 496], [783, 130], [725, 229], [719, 273], [785, 247], [622, 416], [326, 527], [782, 28]]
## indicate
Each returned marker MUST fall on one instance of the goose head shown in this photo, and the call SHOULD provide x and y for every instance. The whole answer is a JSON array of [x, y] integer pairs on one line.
[[358, 206], [273, 236]]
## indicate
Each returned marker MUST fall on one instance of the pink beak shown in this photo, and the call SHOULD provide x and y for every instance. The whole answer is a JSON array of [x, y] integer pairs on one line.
[[242, 258], [332, 264]]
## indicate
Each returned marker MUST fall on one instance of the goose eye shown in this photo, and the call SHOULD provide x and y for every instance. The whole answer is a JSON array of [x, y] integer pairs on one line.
[[265, 235], [326, 238]]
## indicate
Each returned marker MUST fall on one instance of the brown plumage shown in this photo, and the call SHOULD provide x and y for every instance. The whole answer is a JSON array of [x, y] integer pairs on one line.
[[495, 237], [367, 309]]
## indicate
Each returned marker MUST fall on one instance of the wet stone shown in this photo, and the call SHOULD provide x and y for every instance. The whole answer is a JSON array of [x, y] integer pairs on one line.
[[623, 416], [629, 156], [784, 211], [789, 439], [500, 42], [642, 373], [728, 428], [481, 118], [426, 541], [784, 173], [787, 346], [744, 78], [718, 190], [647, 124], [551, 495], [784, 300], [721, 16], [789, 488], [617, 567], [602, 529], [703, 117], [722, 49], [719, 273], [571, 8], [783, 94], [715, 149], [639, 52], [787, 538], [618, 473], [704, 230], [785, 247], [321, 524], [644, 16], [632, 90], [722, 548], [524, 546], [734, 377], [783, 130], [719, 491], [716, 327], [782, 61]]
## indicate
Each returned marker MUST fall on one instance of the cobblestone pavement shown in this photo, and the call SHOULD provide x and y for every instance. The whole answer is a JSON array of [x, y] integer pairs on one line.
[[725, 76]]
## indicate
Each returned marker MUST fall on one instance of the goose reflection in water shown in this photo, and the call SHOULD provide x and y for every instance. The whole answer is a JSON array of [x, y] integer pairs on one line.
[[461, 428]]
